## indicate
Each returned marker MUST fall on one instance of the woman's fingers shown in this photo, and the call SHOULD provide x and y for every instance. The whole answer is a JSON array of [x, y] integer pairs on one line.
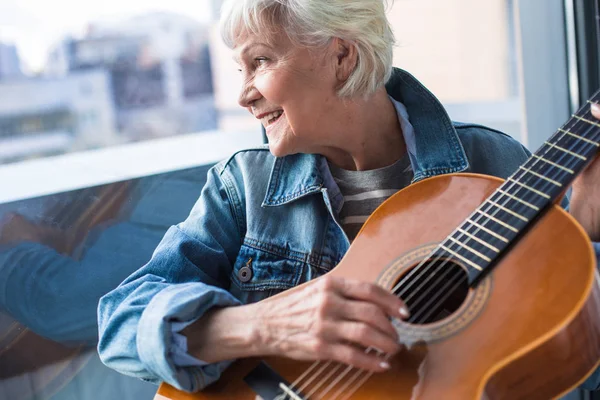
[[368, 313], [368, 292], [356, 357], [595, 110], [336, 319], [364, 336]]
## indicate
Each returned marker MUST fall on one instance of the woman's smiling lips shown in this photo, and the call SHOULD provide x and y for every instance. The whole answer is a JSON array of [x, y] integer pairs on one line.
[[269, 118]]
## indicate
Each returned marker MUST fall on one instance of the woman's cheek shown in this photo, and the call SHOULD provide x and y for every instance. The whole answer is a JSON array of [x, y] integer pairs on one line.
[[263, 84], [272, 87]]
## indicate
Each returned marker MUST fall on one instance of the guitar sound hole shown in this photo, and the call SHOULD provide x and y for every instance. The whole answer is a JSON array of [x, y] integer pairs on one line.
[[433, 291]]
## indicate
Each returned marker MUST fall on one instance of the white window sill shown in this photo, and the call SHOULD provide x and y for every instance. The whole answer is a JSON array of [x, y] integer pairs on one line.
[[90, 168]]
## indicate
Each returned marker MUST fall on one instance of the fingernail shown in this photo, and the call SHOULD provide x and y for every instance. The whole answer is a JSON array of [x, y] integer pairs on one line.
[[595, 108], [404, 312], [384, 365]]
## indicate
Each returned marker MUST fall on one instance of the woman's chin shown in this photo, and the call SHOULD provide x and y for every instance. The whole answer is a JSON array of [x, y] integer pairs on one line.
[[278, 150]]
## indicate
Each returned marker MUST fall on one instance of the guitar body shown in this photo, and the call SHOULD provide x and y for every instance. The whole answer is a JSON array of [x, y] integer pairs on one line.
[[529, 330]]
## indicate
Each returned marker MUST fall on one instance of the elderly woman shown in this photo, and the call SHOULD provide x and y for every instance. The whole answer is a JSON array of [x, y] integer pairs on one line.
[[346, 131]]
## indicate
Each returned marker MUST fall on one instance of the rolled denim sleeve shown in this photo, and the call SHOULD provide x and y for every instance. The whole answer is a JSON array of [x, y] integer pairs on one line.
[[188, 274], [179, 348]]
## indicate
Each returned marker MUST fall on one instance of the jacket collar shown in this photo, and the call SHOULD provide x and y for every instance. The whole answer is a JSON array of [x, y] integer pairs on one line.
[[434, 150]]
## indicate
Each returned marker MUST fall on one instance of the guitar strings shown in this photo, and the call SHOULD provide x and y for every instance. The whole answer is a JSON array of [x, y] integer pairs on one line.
[[562, 157], [422, 266], [585, 145], [449, 293], [416, 317], [560, 172], [462, 235]]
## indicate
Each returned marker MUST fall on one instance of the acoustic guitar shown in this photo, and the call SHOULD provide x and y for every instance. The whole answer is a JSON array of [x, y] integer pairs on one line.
[[500, 281]]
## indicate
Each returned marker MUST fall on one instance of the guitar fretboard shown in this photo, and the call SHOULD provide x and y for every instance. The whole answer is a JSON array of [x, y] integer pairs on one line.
[[525, 195]]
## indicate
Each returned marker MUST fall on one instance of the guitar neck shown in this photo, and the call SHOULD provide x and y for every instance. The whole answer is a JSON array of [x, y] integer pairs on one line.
[[521, 200]]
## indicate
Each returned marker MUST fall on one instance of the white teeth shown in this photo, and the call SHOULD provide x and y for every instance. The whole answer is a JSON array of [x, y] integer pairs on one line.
[[268, 119]]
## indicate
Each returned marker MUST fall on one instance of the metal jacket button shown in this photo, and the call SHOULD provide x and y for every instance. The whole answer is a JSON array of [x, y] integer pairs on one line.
[[245, 273]]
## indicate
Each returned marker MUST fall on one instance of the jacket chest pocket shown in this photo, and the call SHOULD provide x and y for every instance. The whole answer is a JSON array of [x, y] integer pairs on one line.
[[258, 274]]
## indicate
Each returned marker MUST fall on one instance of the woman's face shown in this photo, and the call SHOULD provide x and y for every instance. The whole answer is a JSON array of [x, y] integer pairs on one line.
[[291, 90]]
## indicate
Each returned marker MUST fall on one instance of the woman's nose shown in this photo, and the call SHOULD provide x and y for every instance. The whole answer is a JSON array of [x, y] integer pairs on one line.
[[248, 95]]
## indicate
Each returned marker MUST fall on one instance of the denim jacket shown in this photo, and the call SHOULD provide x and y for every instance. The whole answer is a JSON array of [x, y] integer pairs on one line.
[[263, 225]]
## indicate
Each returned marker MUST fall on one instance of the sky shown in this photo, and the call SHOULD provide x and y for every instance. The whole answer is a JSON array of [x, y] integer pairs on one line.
[[34, 26]]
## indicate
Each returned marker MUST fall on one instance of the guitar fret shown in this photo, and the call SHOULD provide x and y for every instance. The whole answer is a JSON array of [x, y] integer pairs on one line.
[[496, 220], [541, 176], [509, 211], [529, 188], [471, 263], [519, 200], [566, 151], [483, 228], [483, 242], [586, 120], [555, 164], [580, 137], [478, 254]]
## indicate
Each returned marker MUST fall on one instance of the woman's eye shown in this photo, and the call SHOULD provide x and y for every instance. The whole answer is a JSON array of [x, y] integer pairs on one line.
[[260, 61]]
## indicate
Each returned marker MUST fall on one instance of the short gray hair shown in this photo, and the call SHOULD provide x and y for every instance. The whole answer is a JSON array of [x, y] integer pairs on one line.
[[314, 23]]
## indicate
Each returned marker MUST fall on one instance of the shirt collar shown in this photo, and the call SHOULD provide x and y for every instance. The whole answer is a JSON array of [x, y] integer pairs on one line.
[[433, 146], [437, 148]]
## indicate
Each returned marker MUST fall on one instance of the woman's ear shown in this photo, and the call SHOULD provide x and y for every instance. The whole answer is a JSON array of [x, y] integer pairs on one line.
[[346, 58]]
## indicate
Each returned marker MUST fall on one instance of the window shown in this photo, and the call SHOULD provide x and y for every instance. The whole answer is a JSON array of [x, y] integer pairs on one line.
[[154, 95], [154, 74], [465, 52]]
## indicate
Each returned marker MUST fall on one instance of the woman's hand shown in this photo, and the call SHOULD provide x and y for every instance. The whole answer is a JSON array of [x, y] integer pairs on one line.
[[585, 199], [332, 319]]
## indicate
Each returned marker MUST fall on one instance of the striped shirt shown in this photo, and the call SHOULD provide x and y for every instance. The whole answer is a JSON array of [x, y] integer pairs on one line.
[[364, 191]]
